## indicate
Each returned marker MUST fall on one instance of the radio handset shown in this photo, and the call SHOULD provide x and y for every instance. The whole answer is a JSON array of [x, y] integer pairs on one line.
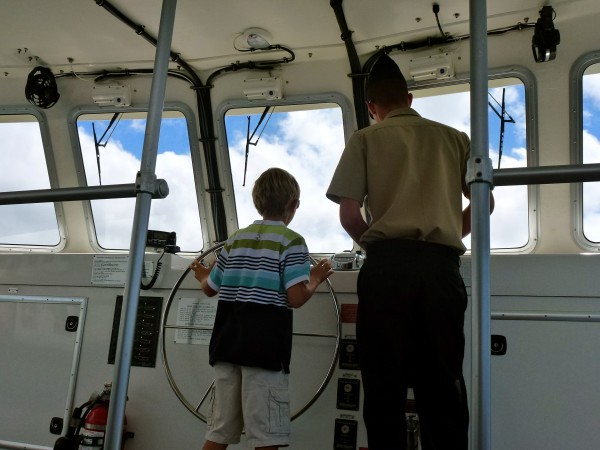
[[160, 239]]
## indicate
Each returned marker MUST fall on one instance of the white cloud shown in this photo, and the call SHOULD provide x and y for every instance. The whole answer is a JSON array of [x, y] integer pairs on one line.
[[307, 144], [591, 88], [22, 139], [113, 219], [138, 125], [29, 223], [591, 191], [509, 224], [453, 110]]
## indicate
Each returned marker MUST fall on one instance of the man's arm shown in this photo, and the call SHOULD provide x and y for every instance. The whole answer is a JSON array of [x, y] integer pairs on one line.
[[466, 214], [466, 220], [351, 218]]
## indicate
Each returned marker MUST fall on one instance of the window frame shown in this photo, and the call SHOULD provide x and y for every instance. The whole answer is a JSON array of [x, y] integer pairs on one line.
[[531, 137], [52, 178], [197, 167], [576, 138], [295, 100], [496, 74]]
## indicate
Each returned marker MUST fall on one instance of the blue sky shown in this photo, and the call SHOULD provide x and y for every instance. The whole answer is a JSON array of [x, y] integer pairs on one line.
[[172, 135]]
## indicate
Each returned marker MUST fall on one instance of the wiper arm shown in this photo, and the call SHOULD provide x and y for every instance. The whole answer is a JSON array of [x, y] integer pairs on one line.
[[98, 142], [249, 137]]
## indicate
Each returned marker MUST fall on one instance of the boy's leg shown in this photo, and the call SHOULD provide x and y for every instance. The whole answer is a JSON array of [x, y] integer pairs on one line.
[[266, 408], [210, 445], [224, 419]]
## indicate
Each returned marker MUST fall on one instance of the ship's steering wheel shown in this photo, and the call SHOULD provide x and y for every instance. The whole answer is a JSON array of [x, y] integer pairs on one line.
[[196, 409]]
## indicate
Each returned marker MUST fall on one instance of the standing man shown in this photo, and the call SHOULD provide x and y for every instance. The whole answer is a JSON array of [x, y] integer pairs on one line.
[[410, 174]]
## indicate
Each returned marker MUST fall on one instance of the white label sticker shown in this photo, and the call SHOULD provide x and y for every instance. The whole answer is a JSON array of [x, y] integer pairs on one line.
[[198, 314], [109, 269]]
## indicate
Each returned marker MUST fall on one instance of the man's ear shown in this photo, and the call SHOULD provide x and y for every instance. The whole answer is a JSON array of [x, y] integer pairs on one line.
[[371, 108], [409, 98]]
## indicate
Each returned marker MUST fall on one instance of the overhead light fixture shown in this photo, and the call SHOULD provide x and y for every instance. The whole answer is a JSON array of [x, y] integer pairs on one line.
[[253, 39], [106, 95], [263, 88], [434, 67], [545, 37]]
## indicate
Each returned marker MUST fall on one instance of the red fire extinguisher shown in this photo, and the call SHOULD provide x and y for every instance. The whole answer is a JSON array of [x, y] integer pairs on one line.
[[93, 430], [87, 428]]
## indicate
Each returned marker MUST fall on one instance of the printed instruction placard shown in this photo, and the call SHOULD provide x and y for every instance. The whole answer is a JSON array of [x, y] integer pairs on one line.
[[112, 269], [199, 315], [109, 269]]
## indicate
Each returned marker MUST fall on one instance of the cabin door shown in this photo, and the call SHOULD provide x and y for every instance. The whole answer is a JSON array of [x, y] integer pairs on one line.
[[40, 338]]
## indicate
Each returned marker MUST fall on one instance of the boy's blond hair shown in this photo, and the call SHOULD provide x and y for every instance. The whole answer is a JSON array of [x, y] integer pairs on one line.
[[275, 190]]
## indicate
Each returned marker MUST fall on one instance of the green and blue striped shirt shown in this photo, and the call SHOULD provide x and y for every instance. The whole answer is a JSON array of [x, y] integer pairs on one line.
[[253, 325]]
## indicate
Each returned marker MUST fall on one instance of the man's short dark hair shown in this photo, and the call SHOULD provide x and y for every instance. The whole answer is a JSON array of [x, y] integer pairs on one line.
[[391, 91], [386, 84]]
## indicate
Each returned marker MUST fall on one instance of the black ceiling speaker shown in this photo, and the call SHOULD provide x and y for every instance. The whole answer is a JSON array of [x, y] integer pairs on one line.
[[41, 88]]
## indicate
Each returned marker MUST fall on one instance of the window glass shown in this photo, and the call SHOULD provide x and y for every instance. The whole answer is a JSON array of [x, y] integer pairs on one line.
[[591, 151], [509, 224], [24, 168], [119, 140], [305, 140]]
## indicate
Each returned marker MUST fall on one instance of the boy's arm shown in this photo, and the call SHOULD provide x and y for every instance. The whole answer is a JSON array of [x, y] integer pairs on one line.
[[300, 293], [201, 274]]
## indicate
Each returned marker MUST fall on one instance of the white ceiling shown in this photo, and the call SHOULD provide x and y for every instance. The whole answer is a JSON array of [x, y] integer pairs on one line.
[[51, 32]]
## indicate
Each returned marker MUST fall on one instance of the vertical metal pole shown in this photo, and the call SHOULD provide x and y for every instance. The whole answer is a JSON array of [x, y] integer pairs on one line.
[[146, 177], [480, 240]]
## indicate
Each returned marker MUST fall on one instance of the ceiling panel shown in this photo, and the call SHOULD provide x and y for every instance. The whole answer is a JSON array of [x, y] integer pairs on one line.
[[59, 30]]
